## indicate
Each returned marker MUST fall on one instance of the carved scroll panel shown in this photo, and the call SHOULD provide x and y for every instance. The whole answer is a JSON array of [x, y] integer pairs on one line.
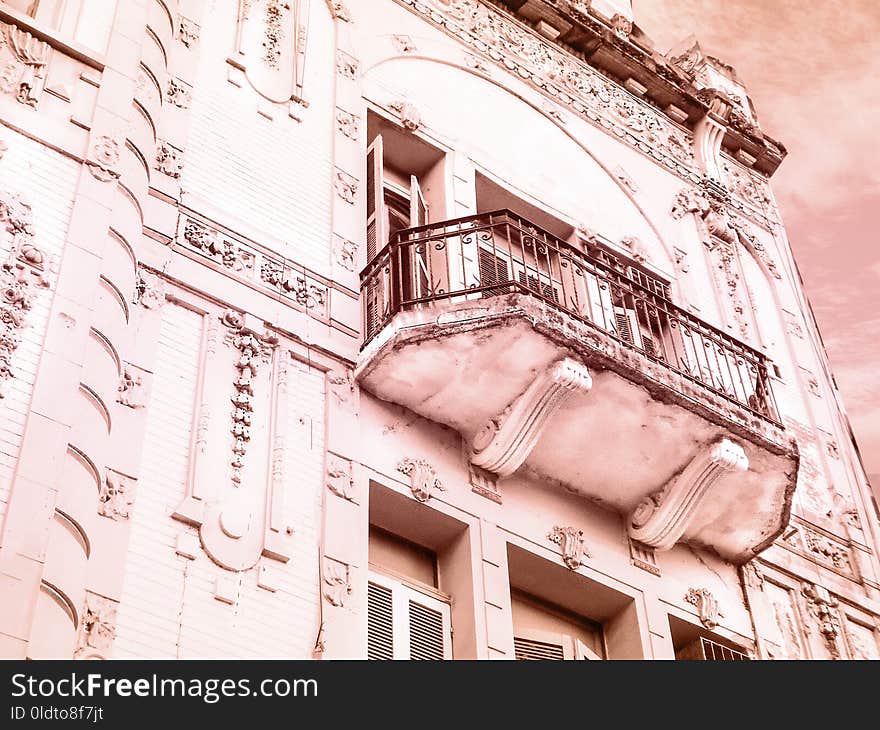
[[238, 478]]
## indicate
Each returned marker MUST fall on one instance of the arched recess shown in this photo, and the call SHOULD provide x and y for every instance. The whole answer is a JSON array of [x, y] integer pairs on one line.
[[522, 141]]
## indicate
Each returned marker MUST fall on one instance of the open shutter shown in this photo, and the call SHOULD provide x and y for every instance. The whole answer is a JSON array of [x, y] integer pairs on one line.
[[627, 325], [418, 208], [418, 256], [582, 651], [493, 270], [377, 237]]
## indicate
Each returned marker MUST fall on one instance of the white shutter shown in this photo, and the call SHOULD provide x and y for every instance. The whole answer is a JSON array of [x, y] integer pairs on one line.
[[380, 622], [582, 651], [405, 623], [418, 256]]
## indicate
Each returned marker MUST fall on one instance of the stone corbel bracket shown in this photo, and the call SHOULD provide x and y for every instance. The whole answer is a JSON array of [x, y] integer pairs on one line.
[[662, 518], [506, 441], [709, 133]]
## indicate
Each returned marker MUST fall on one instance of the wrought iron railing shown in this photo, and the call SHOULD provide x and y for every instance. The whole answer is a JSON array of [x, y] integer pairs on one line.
[[706, 650], [496, 253]]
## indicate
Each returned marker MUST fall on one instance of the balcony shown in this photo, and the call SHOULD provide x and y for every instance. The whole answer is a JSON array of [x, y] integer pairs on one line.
[[575, 365]]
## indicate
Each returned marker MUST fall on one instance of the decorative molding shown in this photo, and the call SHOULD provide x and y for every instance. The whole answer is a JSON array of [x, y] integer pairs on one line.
[[188, 31], [820, 547], [347, 123], [681, 260], [209, 242], [21, 277], [706, 604], [336, 577], [130, 392], [822, 606], [23, 62], [116, 497], [643, 557], [410, 117], [104, 158], [339, 478], [178, 93], [295, 283], [661, 519], [346, 186], [571, 541], [169, 160], [422, 478], [97, 627], [506, 440]]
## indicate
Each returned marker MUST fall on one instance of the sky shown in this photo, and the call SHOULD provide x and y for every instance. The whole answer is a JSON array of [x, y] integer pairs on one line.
[[812, 68]]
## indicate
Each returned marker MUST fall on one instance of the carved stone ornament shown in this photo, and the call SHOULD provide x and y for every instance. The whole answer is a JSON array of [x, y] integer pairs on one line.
[[169, 160], [822, 606], [506, 440], [339, 10], [336, 578], [178, 93], [571, 542], [252, 350], [409, 114], [403, 44], [104, 159], [339, 478], [217, 247], [347, 65], [753, 575], [706, 604], [116, 496], [131, 389], [347, 123], [423, 479], [346, 253], [662, 518], [621, 25], [23, 61], [187, 31], [21, 277], [150, 289], [689, 200], [342, 386], [346, 186], [97, 628], [301, 289]]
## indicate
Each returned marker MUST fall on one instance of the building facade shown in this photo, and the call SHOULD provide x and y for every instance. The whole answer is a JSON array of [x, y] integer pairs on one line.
[[407, 329]]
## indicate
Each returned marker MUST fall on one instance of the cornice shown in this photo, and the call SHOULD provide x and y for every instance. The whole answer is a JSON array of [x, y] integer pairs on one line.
[[573, 83]]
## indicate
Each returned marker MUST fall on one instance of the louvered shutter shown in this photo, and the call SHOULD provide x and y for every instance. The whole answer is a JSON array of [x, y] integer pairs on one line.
[[425, 632], [376, 234], [623, 324], [405, 623], [493, 270], [532, 649], [534, 284], [380, 622]]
